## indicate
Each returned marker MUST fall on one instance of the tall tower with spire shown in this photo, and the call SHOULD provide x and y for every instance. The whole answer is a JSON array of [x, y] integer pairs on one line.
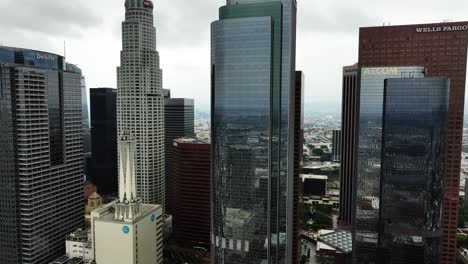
[[140, 105]]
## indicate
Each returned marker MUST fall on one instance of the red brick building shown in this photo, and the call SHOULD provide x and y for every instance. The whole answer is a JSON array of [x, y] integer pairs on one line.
[[191, 192]]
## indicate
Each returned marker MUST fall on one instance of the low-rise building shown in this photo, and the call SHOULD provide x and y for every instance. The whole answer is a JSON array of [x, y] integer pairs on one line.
[[79, 249], [94, 202], [137, 240]]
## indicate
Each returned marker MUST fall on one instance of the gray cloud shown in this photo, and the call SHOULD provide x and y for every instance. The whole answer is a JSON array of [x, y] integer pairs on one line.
[[50, 17], [332, 17], [185, 22], [327, 36]]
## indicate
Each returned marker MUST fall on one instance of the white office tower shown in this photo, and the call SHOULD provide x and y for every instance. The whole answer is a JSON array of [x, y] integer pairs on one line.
[[140, 102], [127, 231]]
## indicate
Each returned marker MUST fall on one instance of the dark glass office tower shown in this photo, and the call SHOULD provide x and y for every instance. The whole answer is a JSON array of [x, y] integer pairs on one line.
[[178, 122], [442, 49], [41, 155], [253, 99], [336, 145], [367, 182], [104, 138], [298, 159], [349, 136], [414, 134]]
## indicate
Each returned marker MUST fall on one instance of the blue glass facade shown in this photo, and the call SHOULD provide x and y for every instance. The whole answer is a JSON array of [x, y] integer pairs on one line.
[[414, 134], [241, 133], [367, 182], [31, 58], [253, 50]]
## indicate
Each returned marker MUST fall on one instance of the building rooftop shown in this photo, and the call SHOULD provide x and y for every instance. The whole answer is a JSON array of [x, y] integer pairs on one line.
[[341, 240], [191, 140], [178, 101], [107, 212], [67, 260], [314, 177], [80, 235], [35, 58]]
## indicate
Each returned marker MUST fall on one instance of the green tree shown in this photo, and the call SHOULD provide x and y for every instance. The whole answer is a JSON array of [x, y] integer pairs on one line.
[[462, 241], [461, 217], [322, 217], [317, 152], [325, 157]]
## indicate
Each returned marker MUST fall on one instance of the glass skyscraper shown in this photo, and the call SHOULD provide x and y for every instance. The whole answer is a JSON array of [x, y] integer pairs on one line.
[[367, 182], [349, 135], [104, 137], [41, 155], [253, 100], [414, 134]]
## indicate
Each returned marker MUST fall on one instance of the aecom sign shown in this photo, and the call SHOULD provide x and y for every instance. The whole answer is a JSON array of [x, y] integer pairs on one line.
[[442, 29]]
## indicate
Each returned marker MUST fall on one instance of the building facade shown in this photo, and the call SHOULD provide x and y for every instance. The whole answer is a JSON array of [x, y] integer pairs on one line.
[[86, 128], [79, 249], [104, 138], [414, 133], [178, 122], [41, 155], [253, 104], [349, 136], [191, 189], [369, 152], [298, 162], [336, 145], [314, 185], [140, 101], [139, 240], [442, 49]]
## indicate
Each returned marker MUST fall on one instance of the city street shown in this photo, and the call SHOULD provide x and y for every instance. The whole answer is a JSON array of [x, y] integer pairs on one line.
[[309, 246]]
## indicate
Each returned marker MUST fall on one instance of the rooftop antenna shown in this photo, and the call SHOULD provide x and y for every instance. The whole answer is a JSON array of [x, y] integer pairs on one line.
[[64, 49]]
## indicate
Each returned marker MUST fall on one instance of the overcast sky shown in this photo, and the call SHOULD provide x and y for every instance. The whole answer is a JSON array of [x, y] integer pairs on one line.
[[327, 36]]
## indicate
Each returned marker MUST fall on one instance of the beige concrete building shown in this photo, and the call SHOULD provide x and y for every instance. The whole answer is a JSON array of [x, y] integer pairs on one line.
[[94, 202], [118, 241]]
